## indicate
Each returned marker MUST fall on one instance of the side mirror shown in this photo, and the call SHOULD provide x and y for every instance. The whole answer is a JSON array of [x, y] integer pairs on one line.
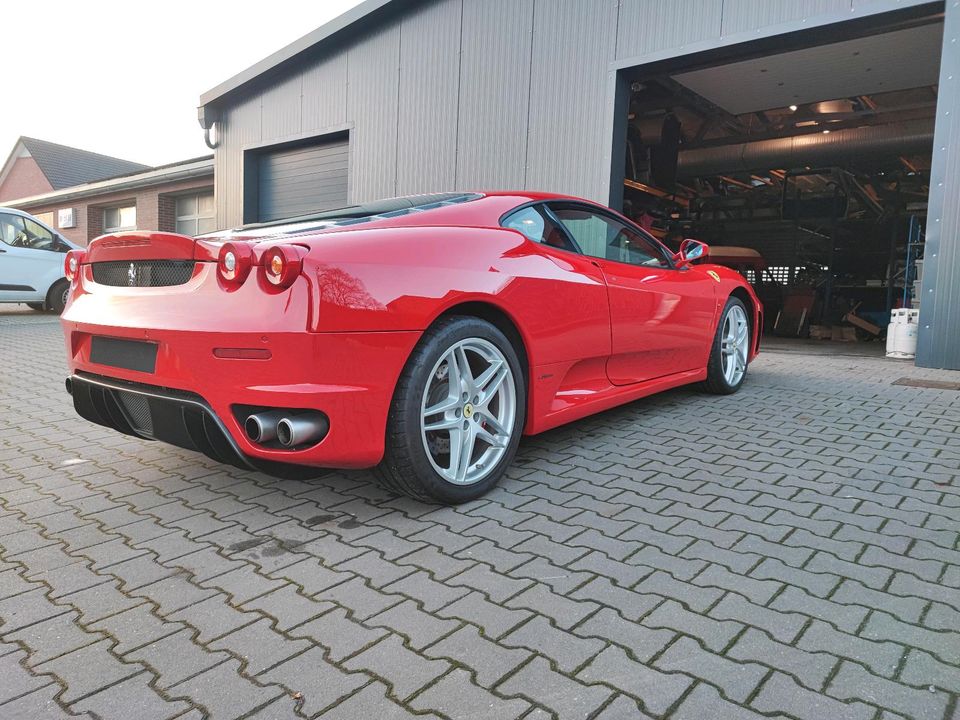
[[691, 250]]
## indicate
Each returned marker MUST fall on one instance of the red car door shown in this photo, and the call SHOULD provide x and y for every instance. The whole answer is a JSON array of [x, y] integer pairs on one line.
[[662, 318]]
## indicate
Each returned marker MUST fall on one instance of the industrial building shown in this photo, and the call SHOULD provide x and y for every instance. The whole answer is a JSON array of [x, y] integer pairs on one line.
[[821, 136]]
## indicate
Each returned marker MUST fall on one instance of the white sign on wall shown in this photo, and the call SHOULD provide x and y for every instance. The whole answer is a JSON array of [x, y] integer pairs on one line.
[[67, 217]]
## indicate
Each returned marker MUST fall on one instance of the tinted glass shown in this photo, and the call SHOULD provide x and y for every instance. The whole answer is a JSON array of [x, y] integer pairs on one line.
[[538, 227], [605, 237]]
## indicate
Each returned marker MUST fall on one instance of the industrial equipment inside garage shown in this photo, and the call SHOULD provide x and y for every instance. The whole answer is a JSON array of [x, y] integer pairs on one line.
[[807, 170]]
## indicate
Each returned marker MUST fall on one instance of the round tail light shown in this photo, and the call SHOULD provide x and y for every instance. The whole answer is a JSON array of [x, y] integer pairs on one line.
[[281, 265], [234, 263], [71, 264]]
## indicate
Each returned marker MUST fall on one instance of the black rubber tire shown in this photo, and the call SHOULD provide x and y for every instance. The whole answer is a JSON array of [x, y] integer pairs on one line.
[[716, 383], [406, 468], [39, 307], [56, 300]]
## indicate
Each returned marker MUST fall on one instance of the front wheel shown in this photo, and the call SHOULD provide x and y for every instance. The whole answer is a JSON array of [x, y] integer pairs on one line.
[[457, 413], [727, 366]]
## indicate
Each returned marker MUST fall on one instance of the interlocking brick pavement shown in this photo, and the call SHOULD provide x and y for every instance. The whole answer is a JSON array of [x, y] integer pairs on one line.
[[791, 552]]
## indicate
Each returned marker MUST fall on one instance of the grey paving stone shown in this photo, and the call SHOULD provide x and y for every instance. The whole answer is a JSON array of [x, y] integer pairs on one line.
[[493, 619], [881, 657], [487, 659], [908, 609], [371, 702], [403, 669], [705, 702], [456, 697], [695, 596], [781, 693], [944, 645], [853, 682], [134, 627], [15, 679], [131, 698], [923, 670], [339, 633], [320, 683], [259, 646], [569, 699], [642, 643], [288, 606], [41, 703], [212, 618], [74, 669], [567, 650], [419, 586], [28, 608], [783, 626], [816, 583], [53, 637], [496, 586], [176, 658], [875, 577], [657, 690], [564, 612], [717, 576], [563, 580], [795, 600], [810, 668], [715, 634], [224, 692], [420, 628], [737, 679]]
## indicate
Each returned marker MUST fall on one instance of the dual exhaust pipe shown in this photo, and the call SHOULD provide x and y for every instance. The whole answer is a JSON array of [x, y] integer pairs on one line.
[[290, 429]]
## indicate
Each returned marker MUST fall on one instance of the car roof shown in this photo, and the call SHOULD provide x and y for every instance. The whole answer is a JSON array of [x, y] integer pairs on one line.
[[466, 209]]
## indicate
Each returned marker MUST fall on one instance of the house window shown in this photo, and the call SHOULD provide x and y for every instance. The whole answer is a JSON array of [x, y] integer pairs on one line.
[[46, 218], [196, 214], [120, 218]]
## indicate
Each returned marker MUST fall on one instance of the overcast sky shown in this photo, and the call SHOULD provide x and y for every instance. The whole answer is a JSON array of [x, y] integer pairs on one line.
[[125, 78]]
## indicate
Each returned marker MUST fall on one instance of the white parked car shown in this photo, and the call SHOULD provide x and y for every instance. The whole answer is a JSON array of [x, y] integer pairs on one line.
[[31, 262]]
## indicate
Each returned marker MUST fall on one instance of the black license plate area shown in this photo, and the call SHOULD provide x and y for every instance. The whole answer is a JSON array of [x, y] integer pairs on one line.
[[126, 354]]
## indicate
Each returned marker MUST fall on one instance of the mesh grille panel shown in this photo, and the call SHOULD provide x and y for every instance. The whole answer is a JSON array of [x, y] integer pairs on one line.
[[143, 273], [138, 408]]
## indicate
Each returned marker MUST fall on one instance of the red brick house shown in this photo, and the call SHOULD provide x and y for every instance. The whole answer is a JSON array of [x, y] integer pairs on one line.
[[37, 166], [175, 198]]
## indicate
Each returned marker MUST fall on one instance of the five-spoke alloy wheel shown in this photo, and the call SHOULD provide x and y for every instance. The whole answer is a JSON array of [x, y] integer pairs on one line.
[[457, 414], [727, 366]]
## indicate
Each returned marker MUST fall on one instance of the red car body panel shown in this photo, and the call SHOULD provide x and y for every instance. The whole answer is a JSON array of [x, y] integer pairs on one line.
[[595, 333]]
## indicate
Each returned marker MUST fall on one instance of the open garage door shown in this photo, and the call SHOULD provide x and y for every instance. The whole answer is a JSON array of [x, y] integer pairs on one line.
[[807, 170], [302, 179]]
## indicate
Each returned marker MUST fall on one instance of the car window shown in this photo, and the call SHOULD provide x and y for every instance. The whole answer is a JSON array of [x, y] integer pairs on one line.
[[532, 222], [605, 237], [38, 237], [12, 231], [18, 231]]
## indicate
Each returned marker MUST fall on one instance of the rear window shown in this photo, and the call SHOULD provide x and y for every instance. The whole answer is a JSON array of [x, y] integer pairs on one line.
[[363, 213]]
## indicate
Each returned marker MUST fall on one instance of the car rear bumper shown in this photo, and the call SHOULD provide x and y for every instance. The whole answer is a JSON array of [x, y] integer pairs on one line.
[[197, 400]]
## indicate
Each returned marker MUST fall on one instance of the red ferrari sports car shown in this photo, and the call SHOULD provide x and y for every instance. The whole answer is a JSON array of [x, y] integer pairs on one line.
[[421, 335]]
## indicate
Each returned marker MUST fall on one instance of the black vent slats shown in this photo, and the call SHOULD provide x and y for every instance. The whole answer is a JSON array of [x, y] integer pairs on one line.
[[143, 273]]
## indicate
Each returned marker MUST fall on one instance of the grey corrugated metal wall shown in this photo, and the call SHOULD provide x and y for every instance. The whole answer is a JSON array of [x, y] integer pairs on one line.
[[939, 339], [475, 94], [478, 93]]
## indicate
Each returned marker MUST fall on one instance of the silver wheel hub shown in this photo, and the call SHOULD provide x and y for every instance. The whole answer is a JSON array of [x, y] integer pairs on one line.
[[734, 345], [468, 411]]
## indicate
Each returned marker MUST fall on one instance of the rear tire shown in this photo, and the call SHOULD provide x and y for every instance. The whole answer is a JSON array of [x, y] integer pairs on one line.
[[729, 355], [457, 414], [39, 307], [57, 297]]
